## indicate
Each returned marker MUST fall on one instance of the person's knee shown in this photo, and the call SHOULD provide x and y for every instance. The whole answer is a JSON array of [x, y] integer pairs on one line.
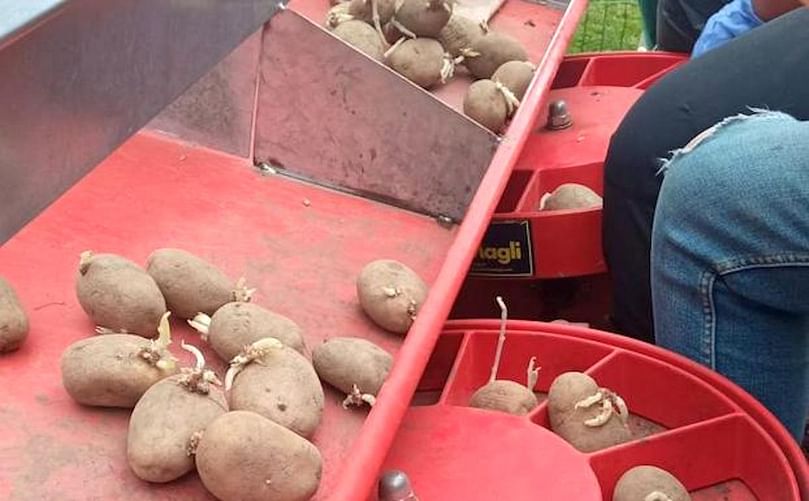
[[744, 160]]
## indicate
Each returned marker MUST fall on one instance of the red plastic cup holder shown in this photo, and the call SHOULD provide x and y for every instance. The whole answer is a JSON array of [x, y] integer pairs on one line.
[[718, 440]]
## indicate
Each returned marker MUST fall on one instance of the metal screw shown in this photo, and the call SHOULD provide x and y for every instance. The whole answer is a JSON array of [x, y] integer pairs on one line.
[[445, 221], [394, 485], [558, 116]]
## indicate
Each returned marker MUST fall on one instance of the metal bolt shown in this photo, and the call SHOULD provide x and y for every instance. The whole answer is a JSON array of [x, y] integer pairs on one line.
[[394, 485], [445, 221], [558, 116]]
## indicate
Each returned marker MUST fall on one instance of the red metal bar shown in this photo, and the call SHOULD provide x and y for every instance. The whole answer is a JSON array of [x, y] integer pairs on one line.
[[383, 421]]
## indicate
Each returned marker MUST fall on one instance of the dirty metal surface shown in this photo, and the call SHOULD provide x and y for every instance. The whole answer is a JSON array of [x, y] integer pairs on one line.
[[80, 77], [328, 113], [217, 111]]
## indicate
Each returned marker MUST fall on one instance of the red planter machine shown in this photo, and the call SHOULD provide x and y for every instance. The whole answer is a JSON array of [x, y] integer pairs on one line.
[[234, 194]]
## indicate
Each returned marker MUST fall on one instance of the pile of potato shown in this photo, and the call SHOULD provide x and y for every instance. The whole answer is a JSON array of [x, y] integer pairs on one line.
[[187, 418], [424, 41]]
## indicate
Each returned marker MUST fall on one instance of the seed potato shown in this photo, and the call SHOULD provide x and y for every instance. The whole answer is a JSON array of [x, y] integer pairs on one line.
[[13, 320], [391, 294]]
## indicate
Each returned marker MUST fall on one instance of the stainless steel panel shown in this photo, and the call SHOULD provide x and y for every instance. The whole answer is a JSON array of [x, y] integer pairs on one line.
[[334, 116], [75, 83], [217, 111]]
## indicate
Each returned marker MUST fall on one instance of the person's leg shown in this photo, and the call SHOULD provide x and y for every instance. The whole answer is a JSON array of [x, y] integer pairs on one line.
[[766, 69], [730, 259]]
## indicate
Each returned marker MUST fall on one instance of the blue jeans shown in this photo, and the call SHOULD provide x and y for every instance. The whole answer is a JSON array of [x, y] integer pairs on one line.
[[730, 258]]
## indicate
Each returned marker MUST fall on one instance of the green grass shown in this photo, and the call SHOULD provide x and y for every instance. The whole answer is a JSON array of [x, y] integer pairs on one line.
[[608, 25]]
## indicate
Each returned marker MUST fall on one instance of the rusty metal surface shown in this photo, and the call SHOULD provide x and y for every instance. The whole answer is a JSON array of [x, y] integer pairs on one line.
[[78, 78], [334, 116], [217, 111]]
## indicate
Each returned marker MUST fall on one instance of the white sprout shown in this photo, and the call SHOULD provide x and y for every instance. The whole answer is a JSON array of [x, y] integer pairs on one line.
[[157, 352], [532, 373], [602, 417], [254, 351], [590, 401], [357, 398], [657, 496], [202, 324], [241, 293], [198, 356], [501, 339], [512, 103]]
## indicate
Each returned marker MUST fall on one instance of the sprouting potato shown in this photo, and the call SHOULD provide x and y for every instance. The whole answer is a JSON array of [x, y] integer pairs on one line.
[[118, 295], [192, 285], [168, 420], [516, 76], [391, 294], [237, 324], [459, 33], [423, 18], [491, 51], [247, 457], [589, 417], [362, 37], [422, 61], [116, 370], [277, 382], [355, 366]]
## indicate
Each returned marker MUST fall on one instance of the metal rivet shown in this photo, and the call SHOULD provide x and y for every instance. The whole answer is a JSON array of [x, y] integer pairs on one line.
[[445, 221], [394, 485], [558, 116]]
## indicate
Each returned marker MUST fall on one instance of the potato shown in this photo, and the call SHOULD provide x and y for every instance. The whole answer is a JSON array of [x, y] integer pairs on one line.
[[421, 61], [362, 37], [649, 483], [493, 50], [337, 15], [485, 104], [118, 295], [190, 284], [13, 320], [277, 382], [423, 18], [363, 10], [505, 396], [244, 456], [114, 370], [236, 325], [348, 363], [576, 414], [516, 76], [166, 423], [570, 196], [459, 33], [391, 294]]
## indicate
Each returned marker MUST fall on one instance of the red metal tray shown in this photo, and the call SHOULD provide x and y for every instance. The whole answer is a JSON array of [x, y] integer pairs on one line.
[[299, 244], [599, 90], [718, 440]]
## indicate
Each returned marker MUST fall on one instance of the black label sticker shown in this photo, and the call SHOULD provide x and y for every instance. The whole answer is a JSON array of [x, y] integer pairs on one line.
[[505, 251]]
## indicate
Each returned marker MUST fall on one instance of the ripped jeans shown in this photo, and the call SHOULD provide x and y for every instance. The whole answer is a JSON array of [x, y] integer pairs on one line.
[[730, 258]]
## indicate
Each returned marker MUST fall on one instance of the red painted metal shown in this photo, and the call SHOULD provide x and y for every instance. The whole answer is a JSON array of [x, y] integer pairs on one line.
[[380, 429], [717, 439], [300, 245], [598, 90]]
